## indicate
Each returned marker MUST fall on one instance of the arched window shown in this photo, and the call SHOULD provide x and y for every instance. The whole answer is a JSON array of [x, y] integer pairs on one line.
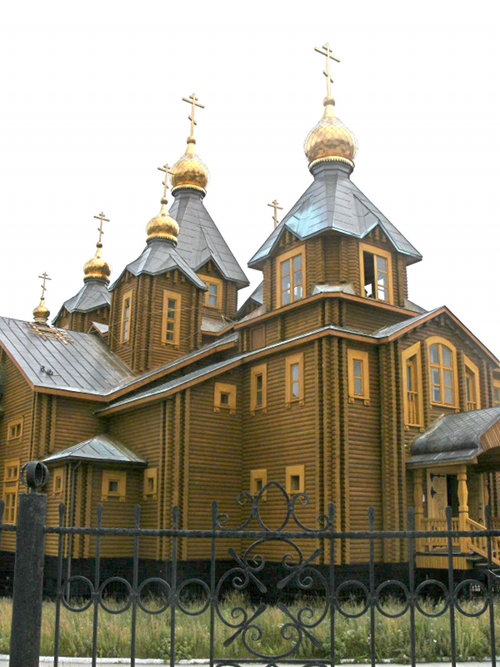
[[443, 372]]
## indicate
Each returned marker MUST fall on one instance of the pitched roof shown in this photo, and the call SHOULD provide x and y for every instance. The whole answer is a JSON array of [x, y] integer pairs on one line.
[[160, 256], [61, 359], [454, 437], [256, 297], [199, 238], [333, 202], [99, 449], [93, 294], [385, 332]]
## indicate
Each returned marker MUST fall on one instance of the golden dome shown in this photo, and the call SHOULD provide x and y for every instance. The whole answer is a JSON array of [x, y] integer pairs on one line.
[[190, 171], [163, 226], [97, 267], [41, 313], [330, 139]]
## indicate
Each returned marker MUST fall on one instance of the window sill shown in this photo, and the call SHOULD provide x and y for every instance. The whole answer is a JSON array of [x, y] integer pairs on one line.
[[254, 411], [120, 499], [354, 399], [222, 408], [151, 496], [297, 401]]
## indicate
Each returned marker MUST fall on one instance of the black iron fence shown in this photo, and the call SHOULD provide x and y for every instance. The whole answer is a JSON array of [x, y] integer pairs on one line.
[[308, 572]]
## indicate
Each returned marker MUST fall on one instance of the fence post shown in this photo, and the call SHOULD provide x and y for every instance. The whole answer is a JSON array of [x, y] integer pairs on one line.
[[28, 571]]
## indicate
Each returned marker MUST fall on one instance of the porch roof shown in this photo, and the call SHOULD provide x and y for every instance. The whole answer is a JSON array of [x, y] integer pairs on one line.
[[101, 449], [456, 437]]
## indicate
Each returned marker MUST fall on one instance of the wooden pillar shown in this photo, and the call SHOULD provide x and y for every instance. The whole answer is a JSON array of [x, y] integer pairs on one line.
[[418, 499], [463, 507]]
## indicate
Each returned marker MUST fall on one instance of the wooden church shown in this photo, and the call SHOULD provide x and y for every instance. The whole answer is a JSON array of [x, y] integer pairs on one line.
[[157, 390]]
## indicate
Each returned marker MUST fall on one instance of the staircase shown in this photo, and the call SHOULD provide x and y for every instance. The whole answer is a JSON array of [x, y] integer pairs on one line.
[[479, 547]]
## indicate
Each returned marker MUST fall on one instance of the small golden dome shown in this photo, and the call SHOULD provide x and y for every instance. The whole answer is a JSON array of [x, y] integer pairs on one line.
[[163, 226], [97, 267], [41, 313], [190, 171], [330, 139]]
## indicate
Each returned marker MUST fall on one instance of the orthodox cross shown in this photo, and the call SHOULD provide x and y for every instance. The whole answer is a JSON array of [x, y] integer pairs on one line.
[[102, 219], [44, 277], [166, 170], [326, 51], [193, 101], [275, 206]]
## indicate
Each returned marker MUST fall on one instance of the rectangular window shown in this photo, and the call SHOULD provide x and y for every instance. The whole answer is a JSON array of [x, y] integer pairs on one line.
[[412, 386], [359, 375], [114, 483], [496, 392], [258, 480], [14, 429], [376, 276], [126, 317], [150, 483], [294, 384], [443, 371], [12, 470], [58, 481], [258, 388], [225, 397], [11, 484], [291, 274], [10, 510], [213, 295], [171, 319], [295, 479], [472, 388]]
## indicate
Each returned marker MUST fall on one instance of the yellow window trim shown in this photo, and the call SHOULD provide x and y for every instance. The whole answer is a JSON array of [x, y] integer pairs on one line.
[[363, 357], [127, 295], [409, 353], [300, 250], [150, 484], [292, 472], [433, 340], [17, 425], [58, 478], [471, 366], [221, 388], [289, 362], [255, 372], [10, 501], [118, 476], [177, 321], [496, 385], [210, 280], [256, 476], [374, 250]]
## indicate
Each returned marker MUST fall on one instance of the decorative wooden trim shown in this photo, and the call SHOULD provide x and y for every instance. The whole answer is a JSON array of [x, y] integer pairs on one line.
[[58, 479], [176, 331], [258, 480], [255, 373], [150, 489], [280, 259], [438, 340], [15, 428], [376, 252], [295, 479], [471, 366], [125, 335], [219, 284], [225, 397], [290, 363], [360, 356], [114, 485], [12, 471], [406, 356]]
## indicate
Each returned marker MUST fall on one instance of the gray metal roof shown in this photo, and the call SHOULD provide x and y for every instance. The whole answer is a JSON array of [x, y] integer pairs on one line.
[[346, 288], [333, 202], [199, 238], [454, 437], [99, 449], [161, 256], [257, 297], [62, 359], [93, 294], [101, 328], [400, 326]]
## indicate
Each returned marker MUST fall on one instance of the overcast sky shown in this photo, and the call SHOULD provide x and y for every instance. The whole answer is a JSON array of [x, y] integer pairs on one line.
[[91, 106]]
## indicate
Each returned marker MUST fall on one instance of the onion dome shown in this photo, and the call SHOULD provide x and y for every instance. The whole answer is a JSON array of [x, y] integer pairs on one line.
[[97, 267], [190, 171], [163, 226], [330, 140], [41, 313]]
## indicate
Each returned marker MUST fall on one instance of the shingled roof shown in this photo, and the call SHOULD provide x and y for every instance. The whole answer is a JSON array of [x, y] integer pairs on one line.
[[199, 238], [94, 294], [333, 202]]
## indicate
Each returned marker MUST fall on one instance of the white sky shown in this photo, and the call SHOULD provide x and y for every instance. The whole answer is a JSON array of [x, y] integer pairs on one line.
[[90, 105]]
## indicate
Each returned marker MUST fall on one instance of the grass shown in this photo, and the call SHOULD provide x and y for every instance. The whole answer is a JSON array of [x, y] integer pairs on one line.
[[352, 639]]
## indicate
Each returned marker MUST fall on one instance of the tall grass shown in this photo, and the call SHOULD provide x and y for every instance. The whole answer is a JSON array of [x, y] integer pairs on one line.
[[352, 637]]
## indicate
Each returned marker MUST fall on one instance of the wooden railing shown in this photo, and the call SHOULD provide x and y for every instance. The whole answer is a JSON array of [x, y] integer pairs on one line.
[[439, 543], [471, 405], [479, 545]]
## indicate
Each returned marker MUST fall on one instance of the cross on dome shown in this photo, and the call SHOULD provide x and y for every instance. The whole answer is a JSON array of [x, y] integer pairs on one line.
[[193, 101], [327, 53]]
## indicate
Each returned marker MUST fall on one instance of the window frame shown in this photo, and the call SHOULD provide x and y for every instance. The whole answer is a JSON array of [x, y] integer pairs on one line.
[[474, 370], [174, 296], [496, 385], [11, 490], [225, 388], [280, 260], [127, 295], [208, 280], [19, 421], [58, 474], [12, 463], [291, 361], [256, 475], [438, 340], [293, 471], [150, 474], [387, 255], [362, 356], [414, 351], [119, 476], [255, 372]]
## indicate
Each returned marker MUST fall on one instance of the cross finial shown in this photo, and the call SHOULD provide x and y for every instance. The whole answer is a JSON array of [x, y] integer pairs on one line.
[[326, 51], [276, 207], [166, 170], [102, 218], [193, 101], [44, 277]]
